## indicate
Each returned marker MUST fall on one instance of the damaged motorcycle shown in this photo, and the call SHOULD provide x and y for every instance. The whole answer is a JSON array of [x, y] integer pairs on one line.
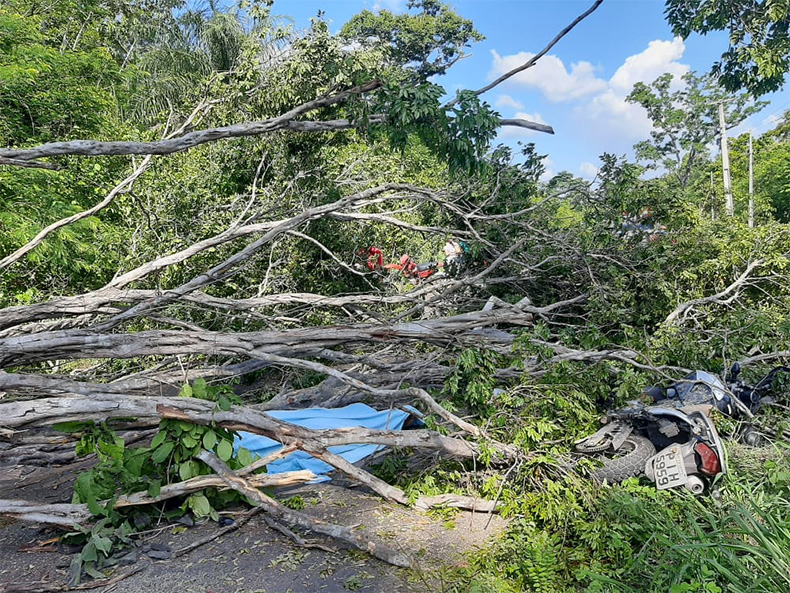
[[671, 438]]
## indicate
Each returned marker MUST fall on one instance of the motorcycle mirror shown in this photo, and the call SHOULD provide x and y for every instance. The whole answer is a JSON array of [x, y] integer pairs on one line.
[[735, 370], [655, 392]]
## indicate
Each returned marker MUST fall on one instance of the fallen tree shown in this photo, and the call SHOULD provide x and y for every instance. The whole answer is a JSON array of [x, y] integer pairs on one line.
[[174, 315]]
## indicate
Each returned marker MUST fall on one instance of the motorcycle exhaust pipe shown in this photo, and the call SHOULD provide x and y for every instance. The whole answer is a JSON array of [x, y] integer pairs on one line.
[[694, 485]]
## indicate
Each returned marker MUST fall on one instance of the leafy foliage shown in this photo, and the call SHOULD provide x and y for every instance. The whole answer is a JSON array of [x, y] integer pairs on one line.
[[472, 384], [46, 93], [685, 120], [427, 43], [170, 458], [758, 56]]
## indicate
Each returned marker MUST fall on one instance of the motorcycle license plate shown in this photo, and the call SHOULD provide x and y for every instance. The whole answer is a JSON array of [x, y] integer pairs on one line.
[[668, 468]]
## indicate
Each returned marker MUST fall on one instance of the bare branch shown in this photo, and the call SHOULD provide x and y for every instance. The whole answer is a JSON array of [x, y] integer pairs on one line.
[[69, 515], [527, 124], [82, 344], [28, 164], [230, 266], [565, 354], [112, 301], [192, 139], [681, 311], [280, 512], [531, 62], [783, 354], [43, 412], [122, 187], [457, 501]]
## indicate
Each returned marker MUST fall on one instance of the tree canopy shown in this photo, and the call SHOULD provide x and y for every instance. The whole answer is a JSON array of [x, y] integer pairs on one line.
[[758, 56]]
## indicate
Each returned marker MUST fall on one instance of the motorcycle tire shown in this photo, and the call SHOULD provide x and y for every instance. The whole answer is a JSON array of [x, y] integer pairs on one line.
[[634, 453]]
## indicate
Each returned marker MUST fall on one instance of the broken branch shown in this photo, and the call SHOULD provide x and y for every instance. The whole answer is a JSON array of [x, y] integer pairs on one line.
[[282, 513]]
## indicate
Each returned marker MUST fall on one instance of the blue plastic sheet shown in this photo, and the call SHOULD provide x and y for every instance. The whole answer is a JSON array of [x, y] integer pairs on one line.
[[355, 415]]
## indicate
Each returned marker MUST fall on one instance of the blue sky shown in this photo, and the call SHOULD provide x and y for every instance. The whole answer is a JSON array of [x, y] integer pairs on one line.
[[580, 86]]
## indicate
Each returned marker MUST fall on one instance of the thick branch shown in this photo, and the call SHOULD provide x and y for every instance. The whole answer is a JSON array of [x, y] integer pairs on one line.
[[82, 344], [172, 145], [527, 124], [69, 515], [28, 164], [565, 354], [111, 301], [314, 440], [63, 514], [457, 501], [43, 412], [387, 491], [151, 382]]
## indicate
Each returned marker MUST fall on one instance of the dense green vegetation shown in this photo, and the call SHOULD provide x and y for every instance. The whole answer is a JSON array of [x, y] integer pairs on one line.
[[136, 69]]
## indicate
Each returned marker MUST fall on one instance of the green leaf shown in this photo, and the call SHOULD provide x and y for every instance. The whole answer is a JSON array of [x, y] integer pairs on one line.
[[188, 441], [188, 469], [225, 450], [112, 450], [75, 570], [186, 391], [209, 440], [162, 452], [102, 543], [158, 439], [89, 552], [154, 488], [200, 388], [200, 505], [85, 489], [93, 572], [223, 402], [244, 456], [134, 460]]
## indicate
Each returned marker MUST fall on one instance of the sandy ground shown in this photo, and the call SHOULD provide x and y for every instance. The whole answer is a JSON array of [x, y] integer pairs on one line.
[[252, 558]]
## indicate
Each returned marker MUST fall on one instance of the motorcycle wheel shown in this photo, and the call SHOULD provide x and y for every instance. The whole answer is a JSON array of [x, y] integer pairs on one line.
[[630, 460]]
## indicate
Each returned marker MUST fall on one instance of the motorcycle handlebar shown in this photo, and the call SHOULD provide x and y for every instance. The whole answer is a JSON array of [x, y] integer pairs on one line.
[[766, 382]]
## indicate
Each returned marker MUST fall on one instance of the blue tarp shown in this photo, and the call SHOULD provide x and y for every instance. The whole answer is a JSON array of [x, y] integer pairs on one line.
[[355, 415]]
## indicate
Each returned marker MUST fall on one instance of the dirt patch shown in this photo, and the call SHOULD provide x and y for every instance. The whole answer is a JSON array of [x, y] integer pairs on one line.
[[253, 558]]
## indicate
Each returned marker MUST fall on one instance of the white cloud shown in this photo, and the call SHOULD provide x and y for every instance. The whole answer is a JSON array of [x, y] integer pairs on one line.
[[658, 58], [549, 75], [549, 173], [588, 170], [600, 118], [608, 116], [504, 101], [516, 132], [771, 121], [612, 121]]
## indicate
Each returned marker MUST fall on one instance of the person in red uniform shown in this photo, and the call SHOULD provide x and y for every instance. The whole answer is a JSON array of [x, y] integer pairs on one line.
[[375, 258]]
